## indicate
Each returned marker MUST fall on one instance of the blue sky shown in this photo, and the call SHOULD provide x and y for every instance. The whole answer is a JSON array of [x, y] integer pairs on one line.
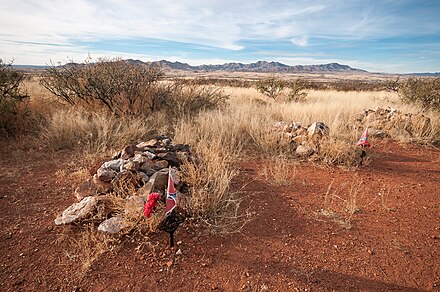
[[379, 36]]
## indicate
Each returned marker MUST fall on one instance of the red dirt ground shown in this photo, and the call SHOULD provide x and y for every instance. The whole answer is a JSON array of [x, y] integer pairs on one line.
[[391, 243]]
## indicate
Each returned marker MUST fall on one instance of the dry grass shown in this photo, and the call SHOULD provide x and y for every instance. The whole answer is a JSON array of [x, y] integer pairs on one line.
[[211, 172], [93, 132], [279, 171], [90, 246], [340, 204]]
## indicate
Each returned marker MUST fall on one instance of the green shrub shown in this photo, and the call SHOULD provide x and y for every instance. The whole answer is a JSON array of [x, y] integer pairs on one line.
[[422, 91]]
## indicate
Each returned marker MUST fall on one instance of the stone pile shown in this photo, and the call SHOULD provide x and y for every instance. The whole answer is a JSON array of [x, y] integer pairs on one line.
[[305, 140], [130, 176], [385, 122]]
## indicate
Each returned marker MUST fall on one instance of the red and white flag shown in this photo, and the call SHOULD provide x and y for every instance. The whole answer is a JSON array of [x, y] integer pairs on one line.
[[171, 195], [363, 141]]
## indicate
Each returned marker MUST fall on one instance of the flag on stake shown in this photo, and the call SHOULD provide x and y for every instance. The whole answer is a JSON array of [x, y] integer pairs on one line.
[[363, 141], [171, 195]]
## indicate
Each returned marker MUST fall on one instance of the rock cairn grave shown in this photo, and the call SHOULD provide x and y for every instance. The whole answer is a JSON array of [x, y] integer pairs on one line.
[[305, 140], [130, 176], [383, 122]]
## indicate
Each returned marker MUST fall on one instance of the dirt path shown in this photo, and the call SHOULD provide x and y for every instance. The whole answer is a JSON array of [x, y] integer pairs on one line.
[[301, 236]]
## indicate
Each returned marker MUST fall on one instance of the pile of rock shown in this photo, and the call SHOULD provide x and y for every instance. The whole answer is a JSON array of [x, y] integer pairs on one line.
[[130, 176], [385, 122], [305, 140]]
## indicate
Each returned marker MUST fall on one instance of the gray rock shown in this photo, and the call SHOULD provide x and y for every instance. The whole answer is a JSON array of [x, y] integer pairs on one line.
[[101, 186], [113, 225], [148, 144], [129, 151], [105, 174], [160, 164], [140, 158], [175, 173], [318, 129], [296, 126], [77, 211], [146, 189], [113, 164], [170, 158], [134, 206], [159, 181], [131, 165], [377, 133], [144, 177], [149, 155], [85, 189], [303, 150], [147, 167]]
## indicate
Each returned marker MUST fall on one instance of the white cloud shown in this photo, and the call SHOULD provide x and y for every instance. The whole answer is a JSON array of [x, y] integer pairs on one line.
[[300, 41]]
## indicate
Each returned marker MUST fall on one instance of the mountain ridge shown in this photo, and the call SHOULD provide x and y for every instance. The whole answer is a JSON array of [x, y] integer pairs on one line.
[[259, 66]]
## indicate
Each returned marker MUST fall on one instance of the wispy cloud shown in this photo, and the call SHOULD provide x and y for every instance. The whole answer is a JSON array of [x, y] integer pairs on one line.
[[36, 31]]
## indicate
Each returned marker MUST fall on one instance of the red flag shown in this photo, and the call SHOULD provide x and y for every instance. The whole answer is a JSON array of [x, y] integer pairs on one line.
[[363, 141], [171, 195]]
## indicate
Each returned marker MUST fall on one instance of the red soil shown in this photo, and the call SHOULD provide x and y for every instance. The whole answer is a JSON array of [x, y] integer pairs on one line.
[[393, 242]]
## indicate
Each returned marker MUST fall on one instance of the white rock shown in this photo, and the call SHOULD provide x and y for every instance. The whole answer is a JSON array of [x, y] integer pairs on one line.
[[77, 211], [303, 150], [113, 225], [113, 164], [318, 128]]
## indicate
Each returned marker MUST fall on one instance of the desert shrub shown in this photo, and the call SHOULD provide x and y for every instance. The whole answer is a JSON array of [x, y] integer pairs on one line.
[[297, 90], [119, 86], [270, 86], [392, 85], [232, 82], [14, 115], [421, 91], [124, 88], [178, 99]]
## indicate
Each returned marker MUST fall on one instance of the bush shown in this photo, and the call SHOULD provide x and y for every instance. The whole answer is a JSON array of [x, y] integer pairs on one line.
[[119, 86], [297, 90], [186, 100], [422, 91], [270, 86], [126, 88], [13, 112]]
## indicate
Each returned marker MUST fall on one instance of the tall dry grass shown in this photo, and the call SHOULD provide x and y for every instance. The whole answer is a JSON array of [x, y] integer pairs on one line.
[[96, 132], [337, 109], [216, 150]]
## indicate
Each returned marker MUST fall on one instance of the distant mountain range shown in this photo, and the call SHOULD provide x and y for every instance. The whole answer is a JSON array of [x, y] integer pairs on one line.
[[259, 67], [423, 74]]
